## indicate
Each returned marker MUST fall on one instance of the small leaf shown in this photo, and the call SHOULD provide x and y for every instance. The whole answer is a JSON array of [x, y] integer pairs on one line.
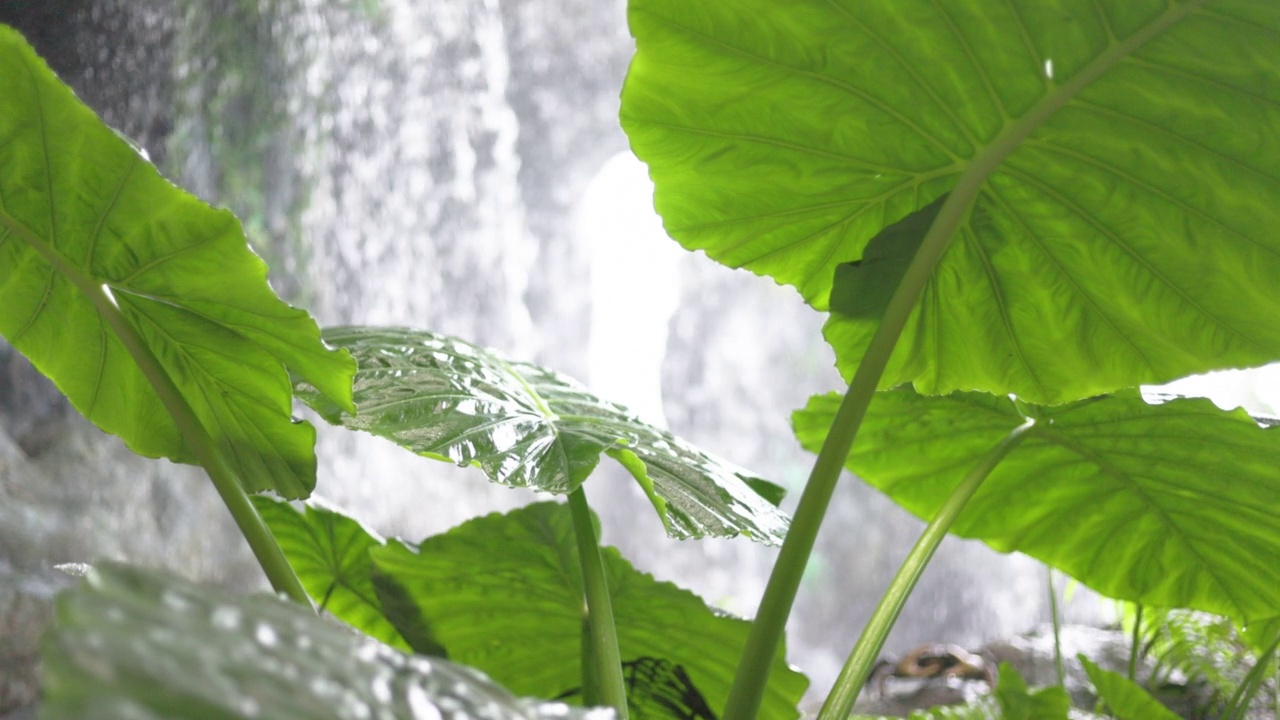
[[95, 243], [527, 426], [1125, 699], [330, 553], [520, 620], [131, 644], [1171, 505], [1019, 703]]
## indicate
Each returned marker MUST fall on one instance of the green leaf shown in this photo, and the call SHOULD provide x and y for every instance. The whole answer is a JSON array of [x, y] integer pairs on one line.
[[1125, 699], [131, 644], [1019, 703], [104, 264], [330, 553], [530, 427], [1171, 505], [1262, 634], [1111, 163], [521, 619], [863, 288]]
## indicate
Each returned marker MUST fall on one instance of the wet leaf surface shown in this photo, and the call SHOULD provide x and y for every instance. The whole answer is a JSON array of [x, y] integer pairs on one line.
[[131, 644], [528, 426]]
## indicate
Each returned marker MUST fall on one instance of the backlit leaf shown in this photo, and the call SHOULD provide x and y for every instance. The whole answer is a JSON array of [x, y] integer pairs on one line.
[[94, 242], [1170, 505], [330, 553], [1113, 163]]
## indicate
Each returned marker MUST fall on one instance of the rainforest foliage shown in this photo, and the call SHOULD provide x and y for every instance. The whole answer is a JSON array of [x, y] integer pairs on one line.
[[1012, 213]]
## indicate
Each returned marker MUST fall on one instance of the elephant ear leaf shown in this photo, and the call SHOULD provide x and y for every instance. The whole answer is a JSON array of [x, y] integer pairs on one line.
[[138, 300], [128, 644], [1138, 501], [521, 620], [1109, 168], [528, 426]]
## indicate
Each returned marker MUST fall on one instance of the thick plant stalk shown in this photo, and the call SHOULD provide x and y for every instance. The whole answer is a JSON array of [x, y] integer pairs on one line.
[[263, 544], [590, 683], [603, 660], [780, 592], [858, 667]]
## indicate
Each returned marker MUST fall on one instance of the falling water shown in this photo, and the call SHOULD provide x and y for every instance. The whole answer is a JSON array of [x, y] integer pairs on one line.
[[429, 164]]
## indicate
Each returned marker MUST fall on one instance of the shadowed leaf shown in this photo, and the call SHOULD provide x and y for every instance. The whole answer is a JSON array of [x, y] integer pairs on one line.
[[521, 619]]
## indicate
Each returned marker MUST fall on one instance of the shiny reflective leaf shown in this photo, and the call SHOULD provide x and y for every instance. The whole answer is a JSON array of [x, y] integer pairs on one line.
[[330, 553], [520, 620], [1114, 167], [131, 644], [1123, 698], [102, 261], [1171, 505], [528, 426]]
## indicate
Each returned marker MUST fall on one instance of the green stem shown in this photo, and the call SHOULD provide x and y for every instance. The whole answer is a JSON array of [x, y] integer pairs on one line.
[[263, 544], [1135, 644], [590, 683], [1058, 666], [858, 667], [780, 592], [604, 656], [779, 595]]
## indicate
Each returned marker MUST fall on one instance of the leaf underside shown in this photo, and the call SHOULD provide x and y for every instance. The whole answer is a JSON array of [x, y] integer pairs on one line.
[[1123, 153], [530, 427], [521, 619], [1170, 505], [130, 644], [90, 231]]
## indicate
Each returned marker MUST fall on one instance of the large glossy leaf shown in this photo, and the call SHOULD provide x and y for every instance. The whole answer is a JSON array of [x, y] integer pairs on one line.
[[330, 553], [130, 644], [528, 426], [521, 619], [1170, 505], [102, 259], [1124, 699], [1114, 166]]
